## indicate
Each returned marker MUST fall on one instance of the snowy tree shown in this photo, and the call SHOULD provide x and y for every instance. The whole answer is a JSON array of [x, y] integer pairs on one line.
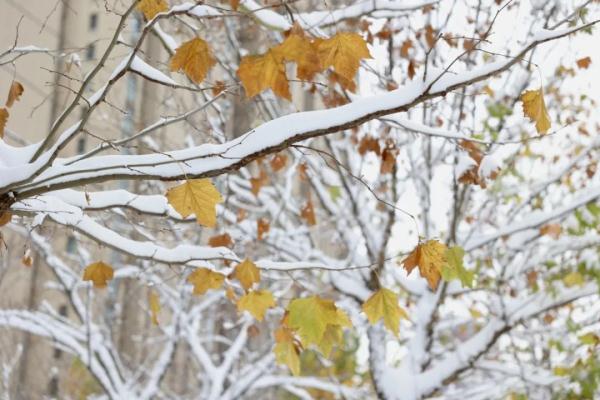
[[304, 160]]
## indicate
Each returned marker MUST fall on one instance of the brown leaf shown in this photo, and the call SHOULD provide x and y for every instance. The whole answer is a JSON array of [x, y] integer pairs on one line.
[[406, 46], [218, 87], [552, 230], [369, 143], [234, 4], [262, 228], [3, 119], [430, 36], [278, 162], [411, 69], [5, 218], [388, 159], [258, 182], [14, 94], [27, 259], [303, 171], [584, 63], [223, 240], [193, 57], [308, 213]]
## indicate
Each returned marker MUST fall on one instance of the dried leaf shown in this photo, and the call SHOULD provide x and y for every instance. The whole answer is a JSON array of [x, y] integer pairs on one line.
[[234, 4], [262, 228], [308, 213], [247, 273], [552, 230], [204, 279], [278, 162], [99, 273], [152, 7], [193, 57], [14, 94], [3, 119], [223, 240], [27, 259], [383, 304], [256, 303], [534, 107], [584, 63], [406, 46], [196, 196], [5, 218]]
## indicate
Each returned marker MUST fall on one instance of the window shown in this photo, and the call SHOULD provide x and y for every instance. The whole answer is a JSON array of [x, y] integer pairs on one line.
[[90, 51], [71, 244], [81, 145], [93, 22]]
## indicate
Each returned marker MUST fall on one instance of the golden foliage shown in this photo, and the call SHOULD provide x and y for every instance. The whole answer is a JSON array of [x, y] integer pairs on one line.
[[196, 196], [99, 273], [193, 57]]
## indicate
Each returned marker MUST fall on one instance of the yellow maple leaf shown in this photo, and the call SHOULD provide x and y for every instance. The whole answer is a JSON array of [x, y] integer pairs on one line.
[[193, 57], [343, 52], [99, 273], [534, 107], [256, 303], [383, 304], [204, 279], [310, 317], [298, 47], [14, 94], [286, 350], [430, 257], [154, 302], [262, 72], [3, 120], [333, 335], [247, 273], [196, 196], [152, 7]]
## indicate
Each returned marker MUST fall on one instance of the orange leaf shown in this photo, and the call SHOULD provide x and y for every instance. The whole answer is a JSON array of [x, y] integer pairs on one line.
[[234, 4], [5, 218], [343, 52], [14, 94], [552, 230], [278, 162], [430, 257], [299, 48], [262, 228], [3, 119], [152, 7], [195, 58], [223, 240], [99, 273], [262, 72], [308, 213], [584, 63]]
